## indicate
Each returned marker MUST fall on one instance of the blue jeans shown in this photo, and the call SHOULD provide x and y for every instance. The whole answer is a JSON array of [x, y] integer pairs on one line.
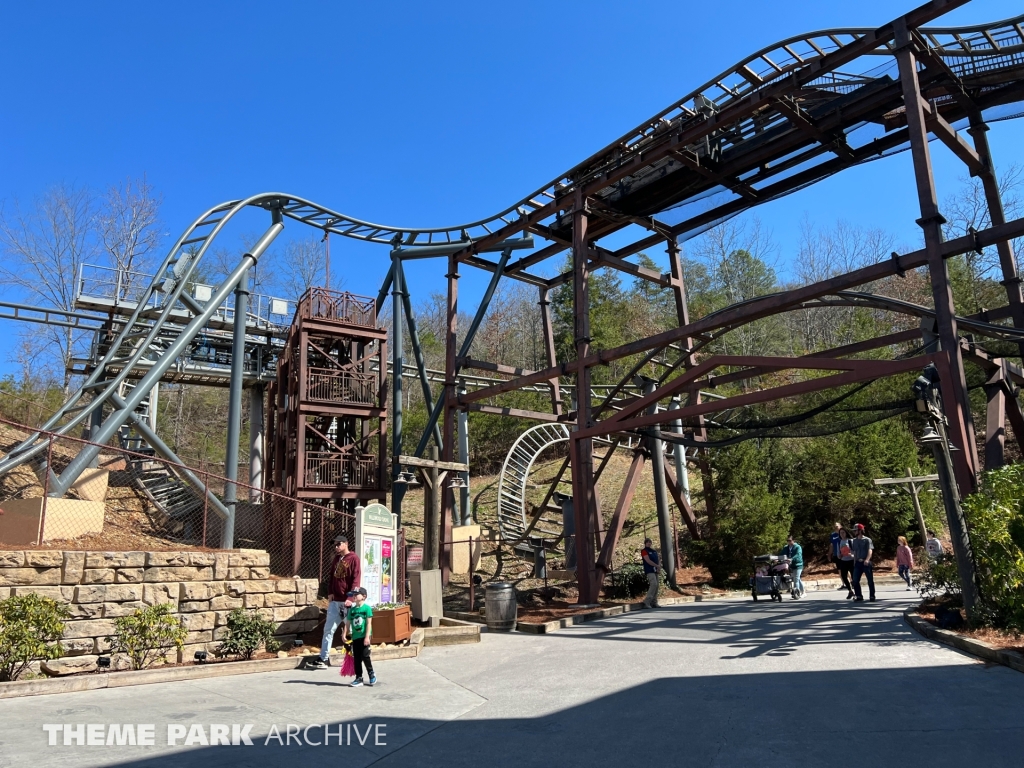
[[860, 568], [335, 615], [904, 571], [796, 579]]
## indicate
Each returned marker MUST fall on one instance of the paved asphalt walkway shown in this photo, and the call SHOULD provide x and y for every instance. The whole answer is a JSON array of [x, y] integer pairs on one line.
[[727, 683]]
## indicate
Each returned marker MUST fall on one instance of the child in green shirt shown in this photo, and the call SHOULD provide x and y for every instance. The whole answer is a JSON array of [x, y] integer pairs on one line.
[[359, 626]]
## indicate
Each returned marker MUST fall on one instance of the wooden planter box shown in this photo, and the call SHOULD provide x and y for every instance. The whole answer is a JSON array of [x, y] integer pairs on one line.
[[391, 625]]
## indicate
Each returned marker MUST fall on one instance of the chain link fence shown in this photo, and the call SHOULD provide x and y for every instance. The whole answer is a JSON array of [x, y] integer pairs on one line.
[[135, 500]]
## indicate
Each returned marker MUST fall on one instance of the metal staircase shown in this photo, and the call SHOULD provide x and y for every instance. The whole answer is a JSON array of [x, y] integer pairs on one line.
[[178, 503]]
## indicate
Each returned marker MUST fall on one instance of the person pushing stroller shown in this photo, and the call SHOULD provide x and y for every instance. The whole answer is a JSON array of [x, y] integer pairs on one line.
[[795, 553]]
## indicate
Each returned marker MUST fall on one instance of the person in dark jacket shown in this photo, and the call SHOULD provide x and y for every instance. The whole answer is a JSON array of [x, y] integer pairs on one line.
[[652, 568], [795, 553], [345, 574]]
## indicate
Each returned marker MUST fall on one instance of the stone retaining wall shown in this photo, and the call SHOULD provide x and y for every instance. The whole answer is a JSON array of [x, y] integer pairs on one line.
[[203, 587]]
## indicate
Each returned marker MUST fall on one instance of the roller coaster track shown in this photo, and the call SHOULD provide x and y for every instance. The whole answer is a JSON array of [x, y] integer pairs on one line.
[[768, 118], [979, 55]]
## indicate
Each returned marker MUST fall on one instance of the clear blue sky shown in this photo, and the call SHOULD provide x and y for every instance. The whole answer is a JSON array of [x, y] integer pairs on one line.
[[402, 113]]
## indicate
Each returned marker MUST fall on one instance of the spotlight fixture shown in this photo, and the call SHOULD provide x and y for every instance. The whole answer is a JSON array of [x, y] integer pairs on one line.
[[200, 657], [296, 643], [103, 662]]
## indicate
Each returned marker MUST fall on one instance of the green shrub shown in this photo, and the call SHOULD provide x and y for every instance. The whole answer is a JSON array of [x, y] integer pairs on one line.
[[147, 633], [755, 523], [939, 579], [630, 581], [247, 631], [995, 520], [30, 628]]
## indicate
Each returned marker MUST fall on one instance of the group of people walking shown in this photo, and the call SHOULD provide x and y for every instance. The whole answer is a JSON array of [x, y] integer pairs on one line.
[[852, 555]]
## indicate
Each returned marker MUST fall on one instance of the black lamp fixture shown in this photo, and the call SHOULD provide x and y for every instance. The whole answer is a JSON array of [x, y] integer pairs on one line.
[[200, 657], [103, 662], [405, 477], [296, 643]]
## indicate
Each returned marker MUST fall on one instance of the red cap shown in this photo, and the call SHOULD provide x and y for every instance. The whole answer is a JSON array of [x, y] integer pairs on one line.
[[859, 526]]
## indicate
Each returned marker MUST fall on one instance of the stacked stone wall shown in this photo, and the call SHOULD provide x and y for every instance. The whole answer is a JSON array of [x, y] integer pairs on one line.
[[202, 587]]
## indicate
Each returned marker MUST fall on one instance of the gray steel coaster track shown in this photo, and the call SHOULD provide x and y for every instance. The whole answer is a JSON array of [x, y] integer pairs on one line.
[[991, 55]]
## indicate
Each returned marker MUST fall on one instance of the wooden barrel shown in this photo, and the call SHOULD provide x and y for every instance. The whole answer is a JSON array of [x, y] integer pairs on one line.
[[500, 604]]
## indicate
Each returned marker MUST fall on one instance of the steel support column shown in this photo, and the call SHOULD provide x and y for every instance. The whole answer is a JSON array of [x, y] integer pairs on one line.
[[995, 421], [256, 443], [955, 402], [582, 450], [417, 351], [679, 453], [675, 262], [113, 422], [467, 343], [549, 350], [397, 361], [227, 539], [463, 428], [657, 451], [611, 539]]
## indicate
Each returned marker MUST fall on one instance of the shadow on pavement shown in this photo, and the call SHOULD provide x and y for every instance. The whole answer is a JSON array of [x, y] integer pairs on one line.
[[757, 629], [924, 716]]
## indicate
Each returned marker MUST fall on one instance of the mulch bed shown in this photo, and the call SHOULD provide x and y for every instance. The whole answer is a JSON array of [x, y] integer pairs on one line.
[[1009, 641]]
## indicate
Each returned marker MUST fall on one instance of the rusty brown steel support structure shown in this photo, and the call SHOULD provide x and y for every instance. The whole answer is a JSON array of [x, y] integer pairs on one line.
[[762, 307], [956, 402], [853, 371], [995, 422], [994, 201], [582, 450], [448, 420], [1015, 416], [683, 316], [611, 539], [549, 349]]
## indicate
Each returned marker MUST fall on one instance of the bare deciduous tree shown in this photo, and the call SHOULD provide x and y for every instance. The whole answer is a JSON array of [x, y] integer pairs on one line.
[[825, 252], [966, 210], [44, 248], [302, 265], [129, 230]]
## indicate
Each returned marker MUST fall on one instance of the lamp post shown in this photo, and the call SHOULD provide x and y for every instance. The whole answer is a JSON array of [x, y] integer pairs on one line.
[[911, 484], [928, 402]]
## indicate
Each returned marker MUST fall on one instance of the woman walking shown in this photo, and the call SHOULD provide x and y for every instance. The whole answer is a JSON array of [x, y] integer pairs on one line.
[[905, 562]]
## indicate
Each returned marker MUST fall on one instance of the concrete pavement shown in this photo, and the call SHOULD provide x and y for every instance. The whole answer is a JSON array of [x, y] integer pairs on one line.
[[726, 683]]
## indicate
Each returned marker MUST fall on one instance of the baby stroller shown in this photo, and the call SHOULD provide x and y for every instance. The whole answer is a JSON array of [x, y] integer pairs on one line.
[[771, 577]]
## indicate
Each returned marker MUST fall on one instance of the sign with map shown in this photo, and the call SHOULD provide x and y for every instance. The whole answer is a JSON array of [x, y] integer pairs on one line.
[[376, 539]]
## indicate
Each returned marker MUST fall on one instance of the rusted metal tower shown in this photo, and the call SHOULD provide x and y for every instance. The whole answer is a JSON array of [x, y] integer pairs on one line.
[[327, 416]]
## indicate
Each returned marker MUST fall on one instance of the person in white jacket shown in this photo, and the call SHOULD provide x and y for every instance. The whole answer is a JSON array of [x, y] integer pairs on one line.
[[933, 547]]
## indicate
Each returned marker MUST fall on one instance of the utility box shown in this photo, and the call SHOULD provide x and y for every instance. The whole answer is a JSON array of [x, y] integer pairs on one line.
[[425, 598]]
